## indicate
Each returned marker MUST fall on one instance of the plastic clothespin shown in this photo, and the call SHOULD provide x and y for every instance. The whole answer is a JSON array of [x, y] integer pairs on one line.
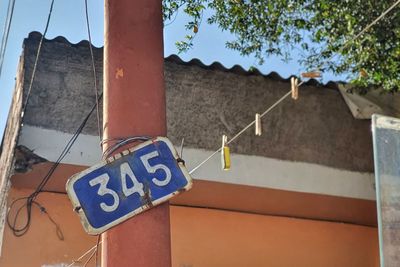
[[258, 129], [225, 154], [294, 82], [311, 74]]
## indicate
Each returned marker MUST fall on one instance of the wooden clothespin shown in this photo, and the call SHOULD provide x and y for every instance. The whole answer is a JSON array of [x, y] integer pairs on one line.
[[294, 82], [311, 74], [225, 154], [363, 73], [258, 127]]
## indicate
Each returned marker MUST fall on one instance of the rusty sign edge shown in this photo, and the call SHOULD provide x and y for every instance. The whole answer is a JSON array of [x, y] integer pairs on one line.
[[76, 203]]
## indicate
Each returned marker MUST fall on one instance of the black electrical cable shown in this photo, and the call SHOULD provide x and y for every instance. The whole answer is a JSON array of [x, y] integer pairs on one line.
[[6, 32], [94, 72], [122, 142], [53, 192], [37, 59], [31, 199]]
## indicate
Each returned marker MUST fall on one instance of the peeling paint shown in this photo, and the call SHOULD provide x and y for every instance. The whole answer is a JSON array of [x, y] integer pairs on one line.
[[119, 73], [25, 159]]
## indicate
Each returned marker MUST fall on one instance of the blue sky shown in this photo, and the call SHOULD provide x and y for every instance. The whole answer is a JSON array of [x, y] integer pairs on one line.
[[68, 20]]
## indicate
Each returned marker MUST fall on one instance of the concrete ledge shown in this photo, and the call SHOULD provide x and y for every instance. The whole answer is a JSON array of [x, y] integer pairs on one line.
[[246, 170]]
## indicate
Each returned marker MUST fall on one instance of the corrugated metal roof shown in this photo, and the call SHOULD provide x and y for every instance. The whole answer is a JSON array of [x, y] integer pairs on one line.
[[236, 69]]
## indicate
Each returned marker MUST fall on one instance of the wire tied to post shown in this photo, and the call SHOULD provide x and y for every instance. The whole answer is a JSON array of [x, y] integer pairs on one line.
[[120, 142]]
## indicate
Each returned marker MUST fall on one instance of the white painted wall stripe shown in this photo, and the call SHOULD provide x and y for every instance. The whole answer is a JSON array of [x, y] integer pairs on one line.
[[246, 170], [282, 174], [49, 144]]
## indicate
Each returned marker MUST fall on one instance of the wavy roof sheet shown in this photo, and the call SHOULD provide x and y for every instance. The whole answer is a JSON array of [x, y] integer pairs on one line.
[[236, 69]]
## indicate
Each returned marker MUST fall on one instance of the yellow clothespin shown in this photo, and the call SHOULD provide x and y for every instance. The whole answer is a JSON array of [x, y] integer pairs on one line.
[[225, 154], [294, 82], [258, 129], [311, 74]]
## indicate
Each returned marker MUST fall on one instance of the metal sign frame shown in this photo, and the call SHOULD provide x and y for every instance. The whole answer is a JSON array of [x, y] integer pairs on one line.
[[75, 178], [386, 143]]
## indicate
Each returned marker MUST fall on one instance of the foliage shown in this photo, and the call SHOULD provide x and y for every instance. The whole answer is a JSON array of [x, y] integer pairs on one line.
[[324, 31]]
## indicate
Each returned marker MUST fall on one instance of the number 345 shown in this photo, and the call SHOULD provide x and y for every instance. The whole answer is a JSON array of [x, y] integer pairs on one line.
[[137, 187]]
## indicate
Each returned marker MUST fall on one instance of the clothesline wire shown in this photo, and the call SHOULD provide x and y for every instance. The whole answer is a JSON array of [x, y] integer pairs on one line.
[[236, 136], [287, 94]]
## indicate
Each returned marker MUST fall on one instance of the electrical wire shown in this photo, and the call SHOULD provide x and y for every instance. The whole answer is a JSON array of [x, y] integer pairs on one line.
[[23, 230], [94, 71], [181, 150], [6, 32], [122, 142], [172, 21], [37, 59], [66, 148], [30, 200], [176, 14], [53, 192]]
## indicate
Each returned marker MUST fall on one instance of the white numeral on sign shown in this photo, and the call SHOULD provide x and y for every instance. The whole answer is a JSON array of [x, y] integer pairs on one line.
[[125, 170], [152, 169], [103, 190], [137, 186]]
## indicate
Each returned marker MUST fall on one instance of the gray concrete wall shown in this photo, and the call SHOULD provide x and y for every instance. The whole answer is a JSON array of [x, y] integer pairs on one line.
[[205, 102], [63, 90]]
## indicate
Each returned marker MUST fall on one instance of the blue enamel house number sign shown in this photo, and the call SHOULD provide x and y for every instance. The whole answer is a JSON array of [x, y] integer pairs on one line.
[[127, 184]]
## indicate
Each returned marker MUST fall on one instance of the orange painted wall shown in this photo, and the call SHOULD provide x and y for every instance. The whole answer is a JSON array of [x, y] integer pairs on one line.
[[207, 237], [40, 246], [203, 237]]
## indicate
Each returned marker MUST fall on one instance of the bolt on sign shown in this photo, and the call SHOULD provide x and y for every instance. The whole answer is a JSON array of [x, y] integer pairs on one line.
[[127, 184]]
